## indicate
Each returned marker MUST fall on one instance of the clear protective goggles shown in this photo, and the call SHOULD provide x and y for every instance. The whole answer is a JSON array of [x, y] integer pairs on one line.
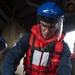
[[49, 26]]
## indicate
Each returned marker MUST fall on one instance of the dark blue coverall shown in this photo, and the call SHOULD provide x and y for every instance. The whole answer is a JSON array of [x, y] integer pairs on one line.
[[13, 57]]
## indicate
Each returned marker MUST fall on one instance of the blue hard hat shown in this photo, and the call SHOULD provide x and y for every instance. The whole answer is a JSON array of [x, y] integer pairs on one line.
[[49, 9]]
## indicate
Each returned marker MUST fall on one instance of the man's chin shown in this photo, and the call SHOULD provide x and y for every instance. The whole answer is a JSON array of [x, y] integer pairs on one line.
[[46, 38]]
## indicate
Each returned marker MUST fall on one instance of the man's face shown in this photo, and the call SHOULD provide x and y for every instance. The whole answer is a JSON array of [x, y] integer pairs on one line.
[[48, 30]]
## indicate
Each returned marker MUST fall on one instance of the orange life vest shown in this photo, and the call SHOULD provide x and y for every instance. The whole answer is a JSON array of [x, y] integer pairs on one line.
[[42, 58]]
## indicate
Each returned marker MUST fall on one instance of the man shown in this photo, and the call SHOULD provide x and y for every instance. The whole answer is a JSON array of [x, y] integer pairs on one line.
[[45, 51], [73, 60]]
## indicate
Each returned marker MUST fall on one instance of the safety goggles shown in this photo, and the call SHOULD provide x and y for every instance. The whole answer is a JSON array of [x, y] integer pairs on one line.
[[49, 26]]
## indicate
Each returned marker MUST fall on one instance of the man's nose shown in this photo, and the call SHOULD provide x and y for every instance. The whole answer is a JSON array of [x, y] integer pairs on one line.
[[47, 29]]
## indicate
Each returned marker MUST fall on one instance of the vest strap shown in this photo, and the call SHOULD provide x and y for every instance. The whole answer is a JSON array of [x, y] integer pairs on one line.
[[39, 71], [58, 53]]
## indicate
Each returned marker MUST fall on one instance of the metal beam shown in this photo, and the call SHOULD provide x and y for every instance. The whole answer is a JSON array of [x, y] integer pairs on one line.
[[31, 3], [3, 14], [26, 12], [1, 23], [69, 14]]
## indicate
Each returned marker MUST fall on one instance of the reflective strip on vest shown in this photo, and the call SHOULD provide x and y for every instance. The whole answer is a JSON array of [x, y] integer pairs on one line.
[[45, 58], [37, 57]]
